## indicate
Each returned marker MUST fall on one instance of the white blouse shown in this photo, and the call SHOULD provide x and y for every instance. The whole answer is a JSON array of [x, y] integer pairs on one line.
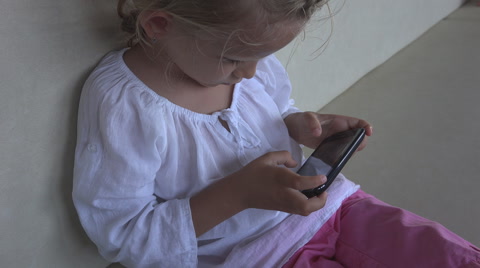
[[139, 158]]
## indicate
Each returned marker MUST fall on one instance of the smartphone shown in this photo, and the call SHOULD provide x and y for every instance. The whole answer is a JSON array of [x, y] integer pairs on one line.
[[330, 157]]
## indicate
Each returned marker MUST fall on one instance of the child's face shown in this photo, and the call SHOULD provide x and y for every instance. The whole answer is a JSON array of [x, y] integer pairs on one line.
[[217, 61]]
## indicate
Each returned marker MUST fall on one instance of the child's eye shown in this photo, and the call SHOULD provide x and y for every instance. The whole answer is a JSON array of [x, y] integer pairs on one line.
[[230, 61]]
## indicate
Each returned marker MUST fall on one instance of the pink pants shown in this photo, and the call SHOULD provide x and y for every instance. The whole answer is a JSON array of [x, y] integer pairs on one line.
[[366, 232]]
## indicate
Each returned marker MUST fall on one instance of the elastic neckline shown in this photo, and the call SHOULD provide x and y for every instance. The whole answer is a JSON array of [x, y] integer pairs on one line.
[[170, 105]]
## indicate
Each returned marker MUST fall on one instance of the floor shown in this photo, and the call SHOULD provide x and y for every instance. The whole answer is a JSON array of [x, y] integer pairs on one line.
[[423, 103]]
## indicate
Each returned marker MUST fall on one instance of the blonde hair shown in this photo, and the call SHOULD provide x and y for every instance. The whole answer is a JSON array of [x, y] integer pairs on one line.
[[213, 16]]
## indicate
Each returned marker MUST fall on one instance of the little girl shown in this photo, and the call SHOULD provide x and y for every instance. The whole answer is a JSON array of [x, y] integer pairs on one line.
[[188, 145]]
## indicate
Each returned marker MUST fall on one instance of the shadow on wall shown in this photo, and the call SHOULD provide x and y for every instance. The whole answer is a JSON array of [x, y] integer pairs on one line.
[[66, 184], [71, 132], [91, 43]]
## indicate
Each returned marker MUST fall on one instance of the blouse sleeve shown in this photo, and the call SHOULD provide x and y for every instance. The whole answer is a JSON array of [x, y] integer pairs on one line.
[[117, 158], [277, 83]]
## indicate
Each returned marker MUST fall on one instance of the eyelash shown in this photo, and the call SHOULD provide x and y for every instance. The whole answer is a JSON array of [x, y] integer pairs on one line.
[[231, 61]]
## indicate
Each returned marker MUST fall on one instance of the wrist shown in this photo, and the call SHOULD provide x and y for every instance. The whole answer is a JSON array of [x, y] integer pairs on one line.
[[215, 204]]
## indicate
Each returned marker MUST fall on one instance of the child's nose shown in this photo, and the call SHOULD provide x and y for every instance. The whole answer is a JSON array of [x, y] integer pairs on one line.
[[246, 69]]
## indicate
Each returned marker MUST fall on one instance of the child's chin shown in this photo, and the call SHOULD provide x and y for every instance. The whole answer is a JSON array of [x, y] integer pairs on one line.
[[218, 83], [232, 83]]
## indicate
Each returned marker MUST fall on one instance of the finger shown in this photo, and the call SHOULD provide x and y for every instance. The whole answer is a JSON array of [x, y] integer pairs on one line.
[[367, 126], [301, 183], [326, 119], [303, 206], [363, 144], [309, 182], [360, 123], [280, 158], [313, 123], [346, 122], [317, 202], [369, 130]]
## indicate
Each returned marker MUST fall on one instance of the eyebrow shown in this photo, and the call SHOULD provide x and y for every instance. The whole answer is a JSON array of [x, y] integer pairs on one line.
[[237, 57]]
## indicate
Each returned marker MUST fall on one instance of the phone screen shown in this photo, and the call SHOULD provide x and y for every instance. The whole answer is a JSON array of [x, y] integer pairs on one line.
[[330, 157]]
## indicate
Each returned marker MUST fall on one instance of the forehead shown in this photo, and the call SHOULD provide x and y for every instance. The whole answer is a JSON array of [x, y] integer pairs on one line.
[[254, 41]]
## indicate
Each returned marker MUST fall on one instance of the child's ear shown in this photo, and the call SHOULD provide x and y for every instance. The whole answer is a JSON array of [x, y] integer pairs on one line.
[[155, 23]]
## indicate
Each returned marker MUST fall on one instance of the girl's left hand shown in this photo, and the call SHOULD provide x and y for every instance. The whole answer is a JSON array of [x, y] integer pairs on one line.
[[309, 128]]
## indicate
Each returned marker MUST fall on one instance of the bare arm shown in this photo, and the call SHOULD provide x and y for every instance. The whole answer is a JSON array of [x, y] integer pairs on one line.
[[265, 183], [215, 204]]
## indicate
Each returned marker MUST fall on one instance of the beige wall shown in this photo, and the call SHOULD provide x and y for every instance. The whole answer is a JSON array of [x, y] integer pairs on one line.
[[365, 34], [47, 48]]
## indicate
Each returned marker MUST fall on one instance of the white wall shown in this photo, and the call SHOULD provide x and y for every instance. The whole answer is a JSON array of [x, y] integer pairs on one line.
[[365, 34], [47, 47]]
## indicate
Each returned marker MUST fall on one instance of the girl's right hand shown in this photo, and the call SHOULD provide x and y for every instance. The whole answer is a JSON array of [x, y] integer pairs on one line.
[[267, 183]]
